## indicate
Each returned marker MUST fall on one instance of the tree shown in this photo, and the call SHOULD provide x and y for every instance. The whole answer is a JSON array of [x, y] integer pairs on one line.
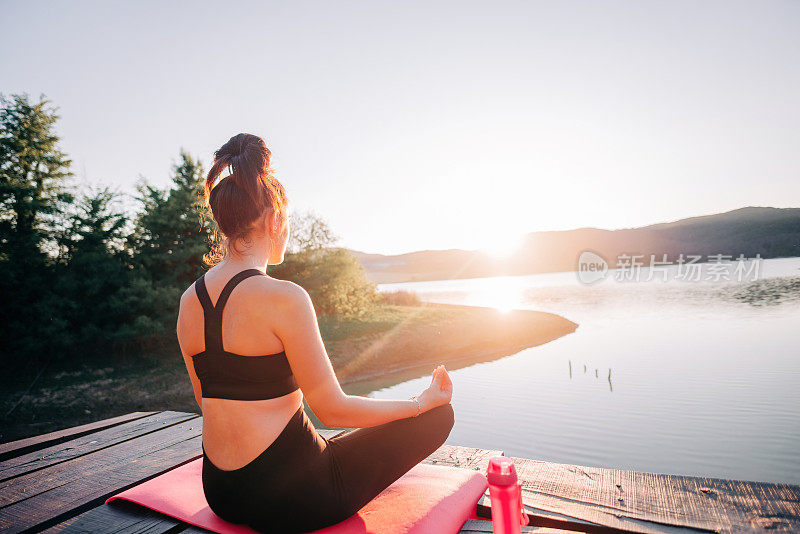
[[171, 234], [32, 176], [33, 195], [91, 272], [309, 233]]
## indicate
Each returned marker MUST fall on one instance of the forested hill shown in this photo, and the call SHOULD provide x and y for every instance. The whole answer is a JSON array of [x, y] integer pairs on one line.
[[770, 232]]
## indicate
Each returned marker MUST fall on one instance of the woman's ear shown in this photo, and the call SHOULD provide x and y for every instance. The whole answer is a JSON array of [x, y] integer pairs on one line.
[[272, 222]]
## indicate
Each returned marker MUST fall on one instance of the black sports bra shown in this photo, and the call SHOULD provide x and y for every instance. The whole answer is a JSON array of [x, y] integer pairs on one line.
[[225, 375]]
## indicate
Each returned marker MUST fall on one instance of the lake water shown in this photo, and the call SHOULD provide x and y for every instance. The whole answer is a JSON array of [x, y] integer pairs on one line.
[[684, 377]]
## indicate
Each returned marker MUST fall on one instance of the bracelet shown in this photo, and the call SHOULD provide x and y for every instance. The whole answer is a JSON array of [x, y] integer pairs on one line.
[[419, 405]]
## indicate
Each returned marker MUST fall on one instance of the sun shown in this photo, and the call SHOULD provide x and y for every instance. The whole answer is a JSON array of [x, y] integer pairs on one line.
[[502, 246]]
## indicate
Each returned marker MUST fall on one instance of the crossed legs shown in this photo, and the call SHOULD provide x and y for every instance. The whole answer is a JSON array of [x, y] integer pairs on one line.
[[367, 460]]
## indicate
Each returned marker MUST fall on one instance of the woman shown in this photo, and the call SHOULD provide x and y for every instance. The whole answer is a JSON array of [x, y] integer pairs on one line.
[[264, 464]]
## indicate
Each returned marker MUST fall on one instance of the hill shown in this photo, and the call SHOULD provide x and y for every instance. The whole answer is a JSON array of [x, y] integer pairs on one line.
[[769, 232]]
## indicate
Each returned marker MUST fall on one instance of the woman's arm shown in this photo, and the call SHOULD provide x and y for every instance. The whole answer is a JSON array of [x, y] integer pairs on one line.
[[186, 359], [298, 329], [198, 396]]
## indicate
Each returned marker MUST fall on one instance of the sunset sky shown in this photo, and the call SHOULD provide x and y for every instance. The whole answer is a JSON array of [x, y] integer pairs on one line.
[[432, 125]]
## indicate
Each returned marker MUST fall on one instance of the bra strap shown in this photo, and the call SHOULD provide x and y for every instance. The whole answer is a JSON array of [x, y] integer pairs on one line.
[[213, 337], [202, 294], [212, 313], [228, 289]]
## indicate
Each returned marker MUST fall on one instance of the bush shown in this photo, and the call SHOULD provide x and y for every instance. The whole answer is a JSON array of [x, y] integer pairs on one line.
[[400, 297], [334, 279]]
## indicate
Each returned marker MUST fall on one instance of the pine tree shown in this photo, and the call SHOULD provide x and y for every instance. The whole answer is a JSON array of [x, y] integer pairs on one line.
[[91, 272], [33, 195], [32, 176], [172, 232]]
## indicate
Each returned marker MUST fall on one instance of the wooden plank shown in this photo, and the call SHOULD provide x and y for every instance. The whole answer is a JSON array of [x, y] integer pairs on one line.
[[118, 517], [651, 502], [466, 457], [89, 443], [22, 446], [47, 497], [479, 525]]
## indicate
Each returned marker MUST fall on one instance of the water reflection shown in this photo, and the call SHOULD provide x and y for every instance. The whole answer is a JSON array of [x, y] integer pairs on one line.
[[768, 292], [596, 375]]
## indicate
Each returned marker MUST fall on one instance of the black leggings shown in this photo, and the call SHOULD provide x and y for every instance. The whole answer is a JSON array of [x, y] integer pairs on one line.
[[304, 482]]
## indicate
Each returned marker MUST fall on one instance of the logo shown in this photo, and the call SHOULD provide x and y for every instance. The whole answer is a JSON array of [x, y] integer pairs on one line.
[[591, 267]]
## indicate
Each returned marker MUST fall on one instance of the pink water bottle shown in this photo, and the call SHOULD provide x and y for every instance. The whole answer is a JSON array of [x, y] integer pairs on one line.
[[506, 496]]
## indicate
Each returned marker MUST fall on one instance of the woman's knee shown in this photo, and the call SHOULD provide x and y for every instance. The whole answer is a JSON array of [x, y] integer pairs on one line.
[[448, 414], [440, 420]]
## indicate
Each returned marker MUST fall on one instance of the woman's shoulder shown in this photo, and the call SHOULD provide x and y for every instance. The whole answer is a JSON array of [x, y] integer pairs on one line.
[[189, 293], [278, 291], [281, 300]]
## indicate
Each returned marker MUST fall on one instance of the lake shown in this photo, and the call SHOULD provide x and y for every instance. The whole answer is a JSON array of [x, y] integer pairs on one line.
[[678, 376]]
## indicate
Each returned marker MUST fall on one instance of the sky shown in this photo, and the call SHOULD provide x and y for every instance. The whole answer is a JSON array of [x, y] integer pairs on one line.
[[433, 125]]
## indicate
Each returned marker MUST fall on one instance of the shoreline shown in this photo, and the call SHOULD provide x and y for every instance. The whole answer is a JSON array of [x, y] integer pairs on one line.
[[462, 336]]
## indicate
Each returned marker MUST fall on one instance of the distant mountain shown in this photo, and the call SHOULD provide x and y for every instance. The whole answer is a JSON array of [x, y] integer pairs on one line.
[[770, 232]]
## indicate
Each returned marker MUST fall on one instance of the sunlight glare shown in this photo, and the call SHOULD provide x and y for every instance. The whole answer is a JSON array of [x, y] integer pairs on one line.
[[502, 245], [503, 294]]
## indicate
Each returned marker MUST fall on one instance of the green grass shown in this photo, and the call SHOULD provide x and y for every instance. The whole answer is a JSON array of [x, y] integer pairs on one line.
[[381, 319]]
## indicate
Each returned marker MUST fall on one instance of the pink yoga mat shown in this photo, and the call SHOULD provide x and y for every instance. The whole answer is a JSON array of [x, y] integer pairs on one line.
[[428, 498]]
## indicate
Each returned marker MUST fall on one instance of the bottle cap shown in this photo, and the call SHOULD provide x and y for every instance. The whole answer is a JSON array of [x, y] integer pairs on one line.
[[501, 471]]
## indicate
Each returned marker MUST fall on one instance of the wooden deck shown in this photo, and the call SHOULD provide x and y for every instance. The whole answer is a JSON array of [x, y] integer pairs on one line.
[[57, 483]]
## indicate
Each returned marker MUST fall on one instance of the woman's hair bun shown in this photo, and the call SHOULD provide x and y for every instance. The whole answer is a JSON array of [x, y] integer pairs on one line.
[[237, 201]]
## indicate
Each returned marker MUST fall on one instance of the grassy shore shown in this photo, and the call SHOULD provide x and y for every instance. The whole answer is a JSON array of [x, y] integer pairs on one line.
[[394, 344]]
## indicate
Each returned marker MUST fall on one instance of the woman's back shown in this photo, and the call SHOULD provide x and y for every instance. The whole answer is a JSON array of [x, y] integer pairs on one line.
[[236, 431]]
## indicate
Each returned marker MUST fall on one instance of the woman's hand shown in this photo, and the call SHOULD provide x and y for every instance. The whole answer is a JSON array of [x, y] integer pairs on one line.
[[439, 392]]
